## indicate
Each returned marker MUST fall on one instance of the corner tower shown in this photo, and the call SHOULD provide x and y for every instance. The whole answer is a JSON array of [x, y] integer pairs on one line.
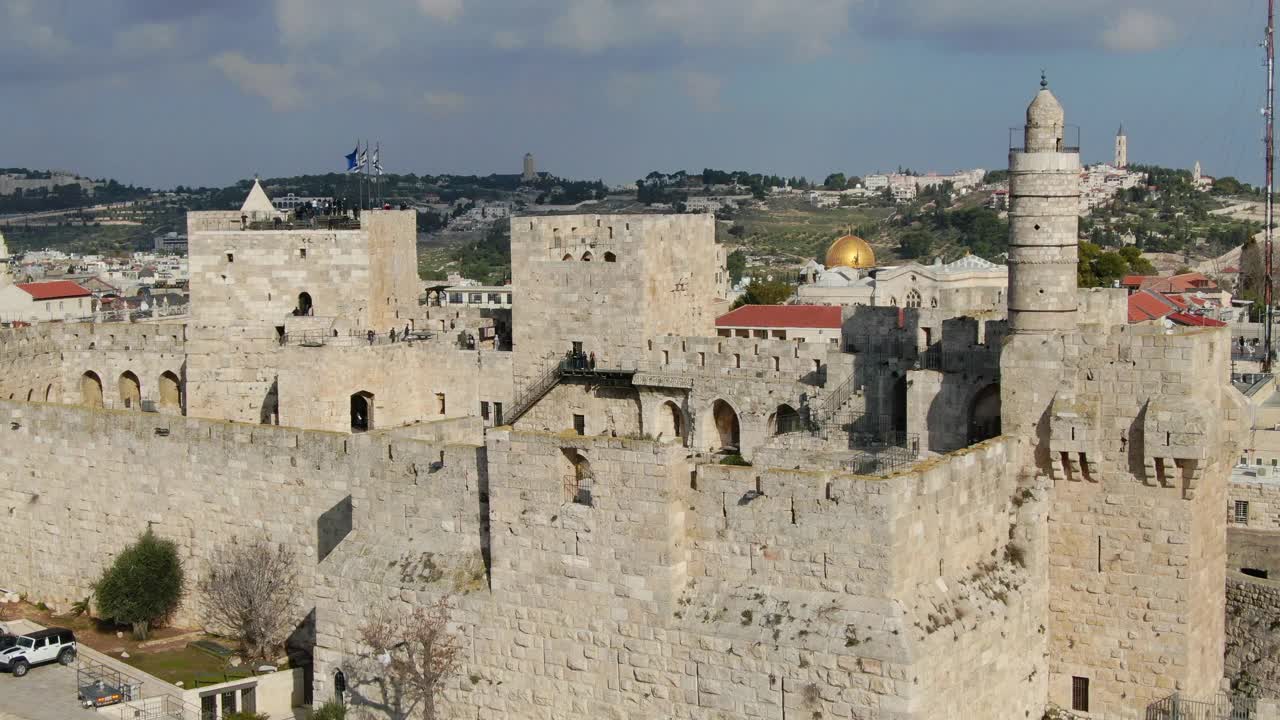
[[1044, 192]]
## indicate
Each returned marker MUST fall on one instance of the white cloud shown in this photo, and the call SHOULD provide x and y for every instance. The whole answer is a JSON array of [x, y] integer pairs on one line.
[[443, 103], [1138, 31], [507, 40], [278, 84], [703, 88], [146, 38], [445, 10], [588, 26], [22, 27]]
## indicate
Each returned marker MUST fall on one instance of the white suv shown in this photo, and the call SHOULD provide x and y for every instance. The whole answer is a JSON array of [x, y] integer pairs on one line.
[[42, 646]]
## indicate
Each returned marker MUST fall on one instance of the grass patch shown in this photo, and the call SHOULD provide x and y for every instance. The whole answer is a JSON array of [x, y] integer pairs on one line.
[[183, 665]]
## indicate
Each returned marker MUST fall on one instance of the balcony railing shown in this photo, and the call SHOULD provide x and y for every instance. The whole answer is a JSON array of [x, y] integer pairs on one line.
[[1223, 707], [317, 222]]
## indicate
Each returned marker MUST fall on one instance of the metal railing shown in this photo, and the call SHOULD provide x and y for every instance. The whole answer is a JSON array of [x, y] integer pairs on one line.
[[318, 222], [535, 392], [935, 358], [167, 707], [885, 462], [1223, 707], [835, 400], [326, 338]]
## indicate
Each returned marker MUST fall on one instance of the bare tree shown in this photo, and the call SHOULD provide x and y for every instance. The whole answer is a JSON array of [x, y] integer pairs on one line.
[[410, 656], [250, 589]]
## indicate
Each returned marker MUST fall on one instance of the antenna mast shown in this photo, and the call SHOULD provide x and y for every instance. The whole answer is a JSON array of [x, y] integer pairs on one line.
[[1271, 156]]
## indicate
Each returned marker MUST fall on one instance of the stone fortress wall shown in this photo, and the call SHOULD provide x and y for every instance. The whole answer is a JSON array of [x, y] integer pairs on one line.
[[622, 571]]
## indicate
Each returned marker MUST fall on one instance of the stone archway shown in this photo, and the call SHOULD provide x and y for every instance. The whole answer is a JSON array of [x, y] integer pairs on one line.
[[130, 391], [170, 391], [91, 390], [670, 421], [586, 256], [304, 304], [721, 429], [984, 414]]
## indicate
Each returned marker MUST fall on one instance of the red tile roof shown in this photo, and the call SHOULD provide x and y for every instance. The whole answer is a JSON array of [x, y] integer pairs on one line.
[[1173, 284], [53, 290], [782, 316], [1196, 320], [1148, 306]]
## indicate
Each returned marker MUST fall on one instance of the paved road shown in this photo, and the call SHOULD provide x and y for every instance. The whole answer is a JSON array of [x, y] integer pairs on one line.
[[48, 692]]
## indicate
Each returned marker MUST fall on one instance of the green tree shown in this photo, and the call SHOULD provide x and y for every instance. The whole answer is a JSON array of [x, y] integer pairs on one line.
[[835, 181], [246, 715], [765, 292], [916, 243], [736, 264], [1230, 186], [144, 584]]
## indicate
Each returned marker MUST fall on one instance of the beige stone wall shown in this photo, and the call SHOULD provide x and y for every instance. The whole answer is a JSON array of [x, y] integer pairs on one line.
[[1264, 503], [662, 282], [1150, 537], [1252, 645], [407, 381]]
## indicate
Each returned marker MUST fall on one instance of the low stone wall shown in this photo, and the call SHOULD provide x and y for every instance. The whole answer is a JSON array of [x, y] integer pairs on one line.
[[1253, 643]]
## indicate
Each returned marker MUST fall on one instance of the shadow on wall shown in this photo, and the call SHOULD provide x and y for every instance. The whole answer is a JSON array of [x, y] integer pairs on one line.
[[333, 525], [300, 647]]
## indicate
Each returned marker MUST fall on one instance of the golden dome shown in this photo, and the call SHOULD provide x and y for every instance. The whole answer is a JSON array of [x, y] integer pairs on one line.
[[850, 251]]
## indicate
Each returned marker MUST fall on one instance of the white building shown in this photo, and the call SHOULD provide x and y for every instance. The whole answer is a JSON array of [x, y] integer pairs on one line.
[[44, 301]]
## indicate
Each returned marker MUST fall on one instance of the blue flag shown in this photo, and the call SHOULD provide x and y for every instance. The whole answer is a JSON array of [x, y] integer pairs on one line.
[[352, 165]]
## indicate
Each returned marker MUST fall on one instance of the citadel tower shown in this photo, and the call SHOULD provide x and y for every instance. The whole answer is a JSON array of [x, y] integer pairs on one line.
[[1044, 192]]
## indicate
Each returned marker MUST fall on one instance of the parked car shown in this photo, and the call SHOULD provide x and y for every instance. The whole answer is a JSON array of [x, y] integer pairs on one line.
[[38, 648]]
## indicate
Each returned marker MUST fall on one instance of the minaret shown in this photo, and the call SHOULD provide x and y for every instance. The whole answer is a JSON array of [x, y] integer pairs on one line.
[[1195, 174], [5, 279], [1044, 202], [1122, 148]]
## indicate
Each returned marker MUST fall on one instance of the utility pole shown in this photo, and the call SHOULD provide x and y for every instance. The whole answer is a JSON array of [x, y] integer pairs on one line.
[[1271, 157]]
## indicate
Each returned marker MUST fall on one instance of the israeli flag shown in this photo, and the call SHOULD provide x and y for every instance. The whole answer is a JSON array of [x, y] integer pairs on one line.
[[364, 158], [377, 164], [352, 165]]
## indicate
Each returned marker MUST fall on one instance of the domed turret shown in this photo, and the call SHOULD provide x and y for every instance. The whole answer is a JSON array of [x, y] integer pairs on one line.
[[850, 251], [1045, 121]]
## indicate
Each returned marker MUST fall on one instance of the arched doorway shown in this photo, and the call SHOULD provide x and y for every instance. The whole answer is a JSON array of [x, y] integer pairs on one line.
[[170, 391], [90, 390], [304, 304], [361, 411], [671, 421], [784, 420], [586, 256], [723, 432], [130, 391], [984, 414], [610, 257]]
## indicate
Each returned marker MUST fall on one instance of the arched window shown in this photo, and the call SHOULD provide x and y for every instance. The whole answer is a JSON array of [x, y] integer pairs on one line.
[[90, 390], [586, 256], [340, 688], [610, 257], [170, 391], [984, 414], [304, 304], [361, 411], [913, 299], [130, 391], [567, 258], [784, 420], [577, 477], [893, 302], [671, 420], [933, 302]]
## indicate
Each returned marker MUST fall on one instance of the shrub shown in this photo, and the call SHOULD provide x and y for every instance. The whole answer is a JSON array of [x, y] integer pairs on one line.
[[328, 711], [143, 585], [245, 715]]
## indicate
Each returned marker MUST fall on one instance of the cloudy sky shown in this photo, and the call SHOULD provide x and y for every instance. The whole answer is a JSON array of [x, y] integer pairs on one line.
[[162, 92]]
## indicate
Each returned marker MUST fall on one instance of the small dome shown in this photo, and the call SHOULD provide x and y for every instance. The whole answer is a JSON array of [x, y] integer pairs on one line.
[[850, 251], [1045, 110]]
